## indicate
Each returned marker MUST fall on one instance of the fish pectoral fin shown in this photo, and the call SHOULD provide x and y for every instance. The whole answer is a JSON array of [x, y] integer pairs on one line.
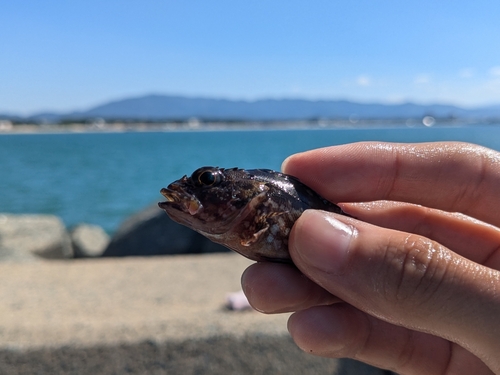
[[254, 237]]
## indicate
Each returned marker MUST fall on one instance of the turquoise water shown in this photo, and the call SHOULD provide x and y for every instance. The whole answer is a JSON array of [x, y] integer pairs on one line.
[[102, 178]]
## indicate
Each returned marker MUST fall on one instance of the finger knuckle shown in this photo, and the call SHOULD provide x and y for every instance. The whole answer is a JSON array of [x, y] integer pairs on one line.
[[416, 269]]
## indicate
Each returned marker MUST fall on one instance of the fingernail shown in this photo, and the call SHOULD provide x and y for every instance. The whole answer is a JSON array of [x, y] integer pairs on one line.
[[322, 241], [285, 162]]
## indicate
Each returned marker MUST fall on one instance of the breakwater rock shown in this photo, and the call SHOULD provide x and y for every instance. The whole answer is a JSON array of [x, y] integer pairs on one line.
[[89, 241], [31, 237]]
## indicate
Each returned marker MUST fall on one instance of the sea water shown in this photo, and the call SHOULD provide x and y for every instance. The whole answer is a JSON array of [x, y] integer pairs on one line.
[[102, 178]]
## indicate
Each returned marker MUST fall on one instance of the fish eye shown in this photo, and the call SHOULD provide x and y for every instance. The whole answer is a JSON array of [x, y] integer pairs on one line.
[[206, 177]]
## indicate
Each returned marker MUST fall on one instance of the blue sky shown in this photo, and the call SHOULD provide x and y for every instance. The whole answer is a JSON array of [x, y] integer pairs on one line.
[[72, 55]]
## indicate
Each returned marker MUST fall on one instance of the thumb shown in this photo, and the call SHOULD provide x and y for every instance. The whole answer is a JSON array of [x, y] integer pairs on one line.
[[402, 278]]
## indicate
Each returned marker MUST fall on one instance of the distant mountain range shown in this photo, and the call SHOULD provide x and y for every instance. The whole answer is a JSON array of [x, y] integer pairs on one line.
[[167, 107]]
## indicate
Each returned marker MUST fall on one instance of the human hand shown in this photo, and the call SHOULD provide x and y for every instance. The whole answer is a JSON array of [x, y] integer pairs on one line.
[[413, 285]]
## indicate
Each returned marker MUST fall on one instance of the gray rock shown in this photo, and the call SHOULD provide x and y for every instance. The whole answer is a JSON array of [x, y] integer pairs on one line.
[[31, 237], [89, 240], [152, 232]]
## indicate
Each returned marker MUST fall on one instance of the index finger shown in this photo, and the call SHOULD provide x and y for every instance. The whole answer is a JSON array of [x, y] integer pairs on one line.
[[450, 176]]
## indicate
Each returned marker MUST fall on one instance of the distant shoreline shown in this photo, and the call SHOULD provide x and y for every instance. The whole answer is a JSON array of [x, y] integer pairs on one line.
[[9, 128]]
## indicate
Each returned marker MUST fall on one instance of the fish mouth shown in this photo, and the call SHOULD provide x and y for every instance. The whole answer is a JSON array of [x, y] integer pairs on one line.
[[180, 200]]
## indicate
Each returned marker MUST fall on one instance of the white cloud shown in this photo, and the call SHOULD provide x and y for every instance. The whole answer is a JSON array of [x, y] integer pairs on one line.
[[495, 71], [395, 99], [466, 73], [363, 80], [295, 89], [422, 79]]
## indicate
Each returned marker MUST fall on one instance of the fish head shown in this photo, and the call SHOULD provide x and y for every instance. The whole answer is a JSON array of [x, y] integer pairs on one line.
[[210, 199]]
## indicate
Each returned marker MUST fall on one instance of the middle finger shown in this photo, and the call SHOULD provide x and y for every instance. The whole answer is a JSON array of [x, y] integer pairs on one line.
[[471, 238]]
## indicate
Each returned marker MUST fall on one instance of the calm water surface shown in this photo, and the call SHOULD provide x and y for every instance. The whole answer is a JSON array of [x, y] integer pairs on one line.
[[103, 178]]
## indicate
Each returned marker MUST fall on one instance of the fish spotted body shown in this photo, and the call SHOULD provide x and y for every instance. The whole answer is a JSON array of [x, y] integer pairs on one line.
[[249, 211]]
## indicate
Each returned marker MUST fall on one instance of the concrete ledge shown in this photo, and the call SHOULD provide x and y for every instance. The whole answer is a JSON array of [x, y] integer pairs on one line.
[[158, 315]]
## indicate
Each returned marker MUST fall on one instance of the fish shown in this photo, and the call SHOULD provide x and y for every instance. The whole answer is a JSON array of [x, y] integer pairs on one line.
[[249, 211]]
